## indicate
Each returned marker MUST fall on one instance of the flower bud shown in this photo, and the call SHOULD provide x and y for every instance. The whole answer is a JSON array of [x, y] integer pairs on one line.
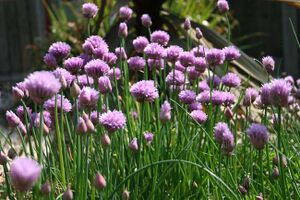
[[46, 188], [199, 34], [146, 20], [63, 81], [187, 24], [133, 145], [99, 181], [259, 197], [81, 127], [125, 194], [22, 128], [123, 30], [242, 190], [12, 119], [90, 126], [75, 90], [284, 161], [17, 93], [275, 173], [68, 194], [223, 6], [105, 140], [148, 137]]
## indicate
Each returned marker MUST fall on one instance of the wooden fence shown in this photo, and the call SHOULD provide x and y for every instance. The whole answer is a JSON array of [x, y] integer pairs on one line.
[[21, 23]]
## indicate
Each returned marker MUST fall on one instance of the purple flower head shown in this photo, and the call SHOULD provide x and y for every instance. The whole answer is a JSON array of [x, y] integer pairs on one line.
[[146, 20], [187, 58], [114, 73], [228, 143], [199, 116], [218, 97], [220, 130], [258, 135], [140, 43], [121, 53], [136, 63], [42, 85], [268, 63], [200, 64], [199, 34], [123, 30], [125, 13], [68, 194], [96, 68], [95, 45], [84, 80], [24, 173], [265, 94], [74, 64], [195, 106], [133, 145], [223, 6], [250, 96], [215, 57], [187, 96], [160, 37], [199, 51], [154, 51], [203, 97], [165, 112], [88, 98], [172, 53], [104, 85], [187, 24], [50, 60], [59, 49], [20, 112], [229, 98], [175, 77], [193, 74], [89, 10], [156, 63], [148, 137], [203, 86], [61, 102], [231, 53], [231, 80], [113, 120], [47, 119], [12, 119], [215, 81], [61, 72], [179, 66], [110, 58], [280, 92], [144, 91]]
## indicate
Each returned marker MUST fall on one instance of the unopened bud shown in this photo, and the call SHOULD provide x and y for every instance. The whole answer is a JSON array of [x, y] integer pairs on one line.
[[68, 194], [242, 190], [100, 181], [81, 127], [75, 90], [275, 173], [105, 140], [63, 81], [17, 93], [125, 194], [46, 188]]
